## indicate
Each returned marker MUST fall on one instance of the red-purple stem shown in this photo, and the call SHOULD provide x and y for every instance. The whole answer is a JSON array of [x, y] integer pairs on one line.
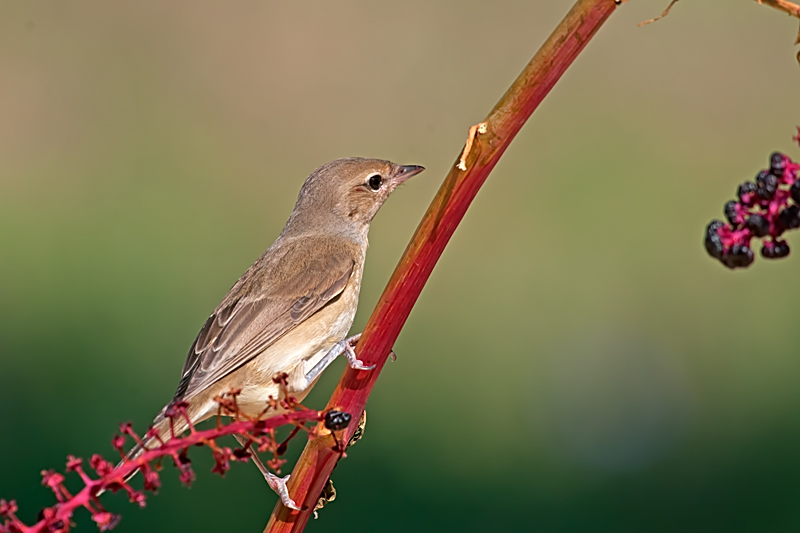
[[491, 139]]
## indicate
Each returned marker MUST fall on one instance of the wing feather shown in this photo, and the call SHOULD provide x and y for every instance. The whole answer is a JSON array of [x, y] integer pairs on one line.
[[270, 300]]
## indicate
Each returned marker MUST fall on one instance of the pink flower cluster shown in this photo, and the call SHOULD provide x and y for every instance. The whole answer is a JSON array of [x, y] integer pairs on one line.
[[766, 208], [260, 431]]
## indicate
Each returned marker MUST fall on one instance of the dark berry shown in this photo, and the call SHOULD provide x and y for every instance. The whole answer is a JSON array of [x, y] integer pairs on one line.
[[795, 191], [775, 250], [740, 256], [777, 163], [712, 241], [767, 185], [757, 225], [789, 218], [730, 213], [240, 454], [766, 193], [336, 420], [748, 187]]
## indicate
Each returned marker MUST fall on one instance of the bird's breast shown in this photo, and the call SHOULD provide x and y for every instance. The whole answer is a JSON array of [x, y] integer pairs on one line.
[[307, 343]]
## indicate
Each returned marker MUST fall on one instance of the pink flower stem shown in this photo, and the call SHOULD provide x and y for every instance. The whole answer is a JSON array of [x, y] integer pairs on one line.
[[58, 517]]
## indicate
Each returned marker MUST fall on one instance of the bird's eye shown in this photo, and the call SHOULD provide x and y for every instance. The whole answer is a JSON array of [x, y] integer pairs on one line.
[[375, 181]]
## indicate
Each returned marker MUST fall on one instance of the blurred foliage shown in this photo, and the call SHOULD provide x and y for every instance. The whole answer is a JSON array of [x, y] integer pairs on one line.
[[576, 362]]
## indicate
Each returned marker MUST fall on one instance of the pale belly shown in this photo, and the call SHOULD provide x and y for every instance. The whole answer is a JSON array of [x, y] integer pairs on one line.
[[296, 354]]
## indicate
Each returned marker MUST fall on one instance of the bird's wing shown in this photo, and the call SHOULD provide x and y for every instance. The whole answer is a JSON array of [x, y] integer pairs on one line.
[[264, 305]]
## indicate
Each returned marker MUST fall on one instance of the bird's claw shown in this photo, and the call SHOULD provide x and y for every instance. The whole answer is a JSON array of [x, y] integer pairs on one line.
[[358, 364], [278, 484], [350, 353]]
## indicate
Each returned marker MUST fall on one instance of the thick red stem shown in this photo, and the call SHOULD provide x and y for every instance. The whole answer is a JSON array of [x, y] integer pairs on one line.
[[486, 144]]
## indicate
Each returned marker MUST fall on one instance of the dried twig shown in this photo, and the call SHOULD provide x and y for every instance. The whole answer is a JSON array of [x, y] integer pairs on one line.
[[784, 5], [661, 16], [790, 8], [473, 132]]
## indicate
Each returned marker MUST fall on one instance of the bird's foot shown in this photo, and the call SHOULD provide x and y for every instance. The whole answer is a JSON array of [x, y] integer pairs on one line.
[[350, 353], [278, 484]]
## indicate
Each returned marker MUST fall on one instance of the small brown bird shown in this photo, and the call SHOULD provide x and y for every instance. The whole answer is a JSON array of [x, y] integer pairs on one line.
[[291, 311]]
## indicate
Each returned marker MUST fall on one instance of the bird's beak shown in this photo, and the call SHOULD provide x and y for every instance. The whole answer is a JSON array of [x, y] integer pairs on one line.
[[406, 172]]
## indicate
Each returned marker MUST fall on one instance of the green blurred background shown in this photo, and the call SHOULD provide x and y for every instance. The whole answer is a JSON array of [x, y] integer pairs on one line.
[[576, 362]]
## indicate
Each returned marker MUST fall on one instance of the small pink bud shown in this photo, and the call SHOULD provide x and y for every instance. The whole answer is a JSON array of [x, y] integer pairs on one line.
[[52, 479], [222, 461], [118, 442], [73, 463], [100, 465], [137, 497], [8, 508], [106, 521], [187, 474], [276, 464], [151, 480]]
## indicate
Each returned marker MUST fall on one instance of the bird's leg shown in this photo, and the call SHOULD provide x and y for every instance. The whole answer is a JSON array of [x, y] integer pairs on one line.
[[246, 444], [323, 363], [346, 347], [278, 484]]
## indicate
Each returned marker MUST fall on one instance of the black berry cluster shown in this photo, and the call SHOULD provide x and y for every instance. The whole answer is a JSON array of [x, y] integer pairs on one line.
[[764, 210]]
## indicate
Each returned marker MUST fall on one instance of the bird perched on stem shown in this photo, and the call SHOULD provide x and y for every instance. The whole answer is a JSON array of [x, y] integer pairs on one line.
[[291, 311]]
